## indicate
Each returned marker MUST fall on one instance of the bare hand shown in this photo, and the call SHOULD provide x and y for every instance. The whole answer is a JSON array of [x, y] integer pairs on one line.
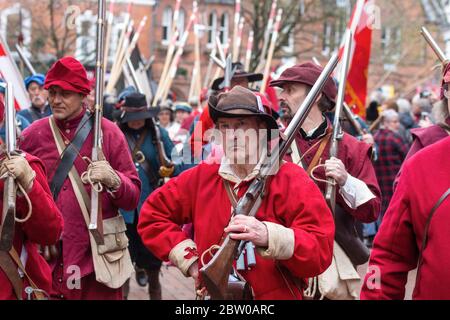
[[248, 229], [368, 138], [334, 168], [193, 272]]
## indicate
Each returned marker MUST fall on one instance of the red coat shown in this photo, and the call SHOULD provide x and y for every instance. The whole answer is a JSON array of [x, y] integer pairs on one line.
[[198, 196], [356, 156], [38, 140], [44, 227], [424, 137], [425, 178]]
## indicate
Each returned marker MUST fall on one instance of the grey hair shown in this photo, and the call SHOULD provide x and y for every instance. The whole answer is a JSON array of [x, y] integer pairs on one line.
[[440, 111], [423, 103], [404, 106], [389, 115]]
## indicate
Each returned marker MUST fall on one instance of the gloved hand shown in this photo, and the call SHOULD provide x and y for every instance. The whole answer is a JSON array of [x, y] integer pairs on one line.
[[102, 172], [20, 169], [166, 172]]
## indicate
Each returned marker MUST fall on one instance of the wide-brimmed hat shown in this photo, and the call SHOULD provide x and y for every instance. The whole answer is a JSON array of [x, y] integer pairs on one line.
[[239, 102], [69, 74], [135, 108], [306, 73], [239, 73]]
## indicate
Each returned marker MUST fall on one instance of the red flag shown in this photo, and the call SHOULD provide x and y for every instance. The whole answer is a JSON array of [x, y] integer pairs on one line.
[[356, 89], [10, 73]]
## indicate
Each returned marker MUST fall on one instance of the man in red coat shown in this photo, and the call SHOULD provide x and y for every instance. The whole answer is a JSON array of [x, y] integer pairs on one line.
[[399, 245], [293, 229], [44, 227], [358, 191], [68, 86], [424, 137]]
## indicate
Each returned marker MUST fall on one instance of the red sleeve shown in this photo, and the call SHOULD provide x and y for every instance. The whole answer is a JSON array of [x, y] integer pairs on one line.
[[395, 252], [311, 219], [46, 223], [363, 170], [127, 197], [163, 213]]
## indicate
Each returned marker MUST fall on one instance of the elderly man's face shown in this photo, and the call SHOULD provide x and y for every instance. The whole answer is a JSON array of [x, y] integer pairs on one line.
[[66, 105], [393, 124], [242, 138], [38, 95], [291, 97]]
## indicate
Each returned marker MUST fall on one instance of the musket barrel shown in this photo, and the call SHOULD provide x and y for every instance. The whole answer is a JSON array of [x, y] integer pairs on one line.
[[10, 119], [433, 44]]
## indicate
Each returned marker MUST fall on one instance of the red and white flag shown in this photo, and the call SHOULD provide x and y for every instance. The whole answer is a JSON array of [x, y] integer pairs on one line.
[[10, 73], [361, 25]]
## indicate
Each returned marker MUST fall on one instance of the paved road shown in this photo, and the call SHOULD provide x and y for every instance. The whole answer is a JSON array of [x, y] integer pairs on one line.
[[175, 286]]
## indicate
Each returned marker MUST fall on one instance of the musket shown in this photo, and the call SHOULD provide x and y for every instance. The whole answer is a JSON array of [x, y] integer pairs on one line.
[[25, 60], [215, 273], [96, 222], [432, 43], [330, 193], [10, 186]]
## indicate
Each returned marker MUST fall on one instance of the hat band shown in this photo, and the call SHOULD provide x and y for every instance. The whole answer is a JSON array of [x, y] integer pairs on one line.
[[241, 106], [132, 109]]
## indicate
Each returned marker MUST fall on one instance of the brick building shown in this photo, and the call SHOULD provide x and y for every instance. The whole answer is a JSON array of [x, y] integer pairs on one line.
[[400, 57]]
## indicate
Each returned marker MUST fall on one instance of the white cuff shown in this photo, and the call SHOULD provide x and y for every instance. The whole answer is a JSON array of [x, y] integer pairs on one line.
[[183, 255], [281, 242], [355, 192]]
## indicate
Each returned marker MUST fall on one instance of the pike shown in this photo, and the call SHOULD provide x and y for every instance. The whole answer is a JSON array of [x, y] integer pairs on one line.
[[128, 51], [248, 53], [125, 35], [237, 19], [169, 55], [216, 272], [96, 222], [270, 23], [108, 34], [273, 42], [432, 43], [195, 86], [10, 186], [330, 193], [176, 60], [25, 60]]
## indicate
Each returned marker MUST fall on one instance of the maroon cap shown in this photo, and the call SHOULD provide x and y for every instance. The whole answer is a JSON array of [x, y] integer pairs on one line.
[[69, 74], [306, 73]]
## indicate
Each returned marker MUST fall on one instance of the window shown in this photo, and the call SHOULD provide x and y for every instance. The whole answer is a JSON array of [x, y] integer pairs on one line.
[[212, 28], [181, 22], [224, 27], [391, 42], [166, 25], [326, 42], [14, 21], [86, 39], [116, 31]]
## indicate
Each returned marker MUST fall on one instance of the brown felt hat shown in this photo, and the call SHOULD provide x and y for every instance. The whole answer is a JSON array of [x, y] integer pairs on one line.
[[306, 73], [239, 73], [239, 102]]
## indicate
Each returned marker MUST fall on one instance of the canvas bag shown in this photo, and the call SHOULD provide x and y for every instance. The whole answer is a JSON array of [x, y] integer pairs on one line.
[[112, 261]]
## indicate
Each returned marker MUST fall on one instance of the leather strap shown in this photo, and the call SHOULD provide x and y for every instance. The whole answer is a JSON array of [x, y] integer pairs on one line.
[[319, 153], [427, 227], [10, 270], [70, 152], [134, 148], [231, 195]]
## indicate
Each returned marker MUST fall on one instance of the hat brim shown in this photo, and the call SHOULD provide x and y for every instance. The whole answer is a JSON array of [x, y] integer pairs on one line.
[[251, 77], [67, 86], [141, 115], [215, 114]]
